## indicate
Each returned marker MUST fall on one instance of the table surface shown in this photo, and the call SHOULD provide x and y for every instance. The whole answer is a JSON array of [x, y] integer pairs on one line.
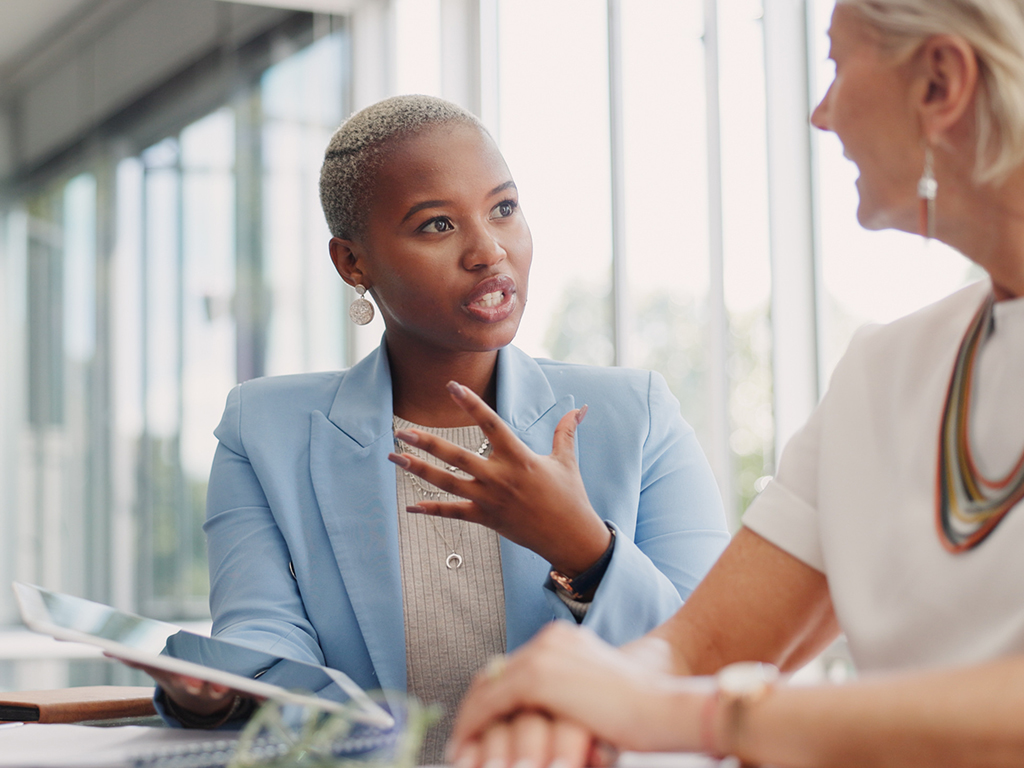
[[36, 745]]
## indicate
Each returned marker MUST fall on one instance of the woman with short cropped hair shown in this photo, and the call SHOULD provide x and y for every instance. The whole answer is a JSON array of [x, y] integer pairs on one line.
[[313, 555]]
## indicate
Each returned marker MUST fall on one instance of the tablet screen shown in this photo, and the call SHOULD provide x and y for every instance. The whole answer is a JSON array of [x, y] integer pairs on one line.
[[168, 647]]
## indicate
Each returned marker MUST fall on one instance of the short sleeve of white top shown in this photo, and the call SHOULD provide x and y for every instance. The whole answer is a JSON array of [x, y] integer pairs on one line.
[[854, 496]]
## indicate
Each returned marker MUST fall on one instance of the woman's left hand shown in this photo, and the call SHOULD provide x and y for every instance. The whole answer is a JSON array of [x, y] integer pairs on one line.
[[536, 501]]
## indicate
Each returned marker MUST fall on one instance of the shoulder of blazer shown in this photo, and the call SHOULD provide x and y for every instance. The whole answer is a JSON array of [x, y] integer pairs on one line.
[[276, 399], [589, 381]]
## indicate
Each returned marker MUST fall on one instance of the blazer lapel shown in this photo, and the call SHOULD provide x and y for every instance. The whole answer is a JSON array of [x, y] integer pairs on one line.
[[355, 488], [527, 403]]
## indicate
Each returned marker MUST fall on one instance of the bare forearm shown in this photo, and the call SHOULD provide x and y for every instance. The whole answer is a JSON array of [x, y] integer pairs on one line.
[[656, 652], [758, 603], [963, 717], [818, 634]]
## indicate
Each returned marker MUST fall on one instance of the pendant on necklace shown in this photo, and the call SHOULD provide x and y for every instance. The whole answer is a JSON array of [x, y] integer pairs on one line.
[[453, 561]]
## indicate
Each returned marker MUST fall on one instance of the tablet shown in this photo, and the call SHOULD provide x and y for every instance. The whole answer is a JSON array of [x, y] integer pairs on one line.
[[168, 647]]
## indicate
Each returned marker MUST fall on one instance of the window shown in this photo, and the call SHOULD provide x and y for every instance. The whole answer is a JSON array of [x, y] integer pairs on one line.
[[695, 310], [136, 294]]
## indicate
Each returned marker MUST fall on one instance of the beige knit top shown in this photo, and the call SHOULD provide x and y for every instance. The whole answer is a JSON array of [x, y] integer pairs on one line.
[[454, 616]]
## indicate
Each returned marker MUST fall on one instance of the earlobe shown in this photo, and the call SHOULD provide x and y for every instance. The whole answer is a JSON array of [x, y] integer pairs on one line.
[[347, 259]]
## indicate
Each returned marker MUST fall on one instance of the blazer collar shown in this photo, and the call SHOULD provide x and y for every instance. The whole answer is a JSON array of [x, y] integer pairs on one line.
[[524, 394], [363, 408]]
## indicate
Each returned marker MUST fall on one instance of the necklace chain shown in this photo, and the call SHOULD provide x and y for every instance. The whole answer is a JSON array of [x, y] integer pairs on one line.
[[428, 491]]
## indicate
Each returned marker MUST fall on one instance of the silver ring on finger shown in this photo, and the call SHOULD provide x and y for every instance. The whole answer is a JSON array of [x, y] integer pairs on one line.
[[496, 666]]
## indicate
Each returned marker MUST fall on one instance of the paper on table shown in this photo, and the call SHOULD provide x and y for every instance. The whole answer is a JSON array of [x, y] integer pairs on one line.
[[39, 745]]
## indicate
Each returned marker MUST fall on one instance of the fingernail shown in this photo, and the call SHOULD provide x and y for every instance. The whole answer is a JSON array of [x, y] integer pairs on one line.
[[559, 762], [399, 459], [581, 413], [407, 437], [463, 762], [525, 763], [496, 762], [416, 509], [456, 390], [194, 689]]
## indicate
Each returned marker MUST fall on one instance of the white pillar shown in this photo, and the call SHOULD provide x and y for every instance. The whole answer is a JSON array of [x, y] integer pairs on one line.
[[719, 455], [791, 220]]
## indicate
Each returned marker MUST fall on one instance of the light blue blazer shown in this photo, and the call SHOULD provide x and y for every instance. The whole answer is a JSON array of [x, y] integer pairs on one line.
[[301, 483]]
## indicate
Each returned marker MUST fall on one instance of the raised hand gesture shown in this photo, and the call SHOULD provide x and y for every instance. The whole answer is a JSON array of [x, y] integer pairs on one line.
[[538, 502]]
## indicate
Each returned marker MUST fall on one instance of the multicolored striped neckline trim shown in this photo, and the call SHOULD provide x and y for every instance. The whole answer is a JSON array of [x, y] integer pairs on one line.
[[969, 505]]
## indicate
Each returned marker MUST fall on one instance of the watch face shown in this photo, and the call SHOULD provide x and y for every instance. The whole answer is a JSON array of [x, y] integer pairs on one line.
[[746, 677], [564, 583]]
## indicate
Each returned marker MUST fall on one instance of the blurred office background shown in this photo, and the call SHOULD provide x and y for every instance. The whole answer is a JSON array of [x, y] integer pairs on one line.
[[161, 239]]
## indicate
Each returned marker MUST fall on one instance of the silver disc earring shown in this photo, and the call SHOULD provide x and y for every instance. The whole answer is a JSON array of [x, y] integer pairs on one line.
[[360, 310]]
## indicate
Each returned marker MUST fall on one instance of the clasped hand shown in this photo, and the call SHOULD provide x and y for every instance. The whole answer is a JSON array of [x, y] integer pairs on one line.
[[538, 502], [544, 703]]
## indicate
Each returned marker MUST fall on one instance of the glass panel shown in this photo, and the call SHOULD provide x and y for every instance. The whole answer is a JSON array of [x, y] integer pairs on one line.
[[745, 239], [45, 325], [13, 382], [207, 323], [417, 46], [302, 100], [163, 255], [554, 135], [80, 268], [162, 489], [83, 524], [55, 448], [666, 198], [127, 379]]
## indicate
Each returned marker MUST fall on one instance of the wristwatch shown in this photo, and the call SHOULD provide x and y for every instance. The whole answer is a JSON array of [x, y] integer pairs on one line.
[[738, 686], [746, 681], [583, 583]]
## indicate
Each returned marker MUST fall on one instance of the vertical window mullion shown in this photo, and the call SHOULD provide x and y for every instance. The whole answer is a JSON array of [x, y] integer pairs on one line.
[[791, 219], [718, 332], [489, 56], [620, 285]]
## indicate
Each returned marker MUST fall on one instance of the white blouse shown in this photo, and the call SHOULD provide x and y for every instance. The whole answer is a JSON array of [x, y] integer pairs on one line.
[[854, 496]]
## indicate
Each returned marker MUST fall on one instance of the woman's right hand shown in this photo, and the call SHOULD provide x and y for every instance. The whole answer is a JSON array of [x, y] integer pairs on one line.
[[539, 502]]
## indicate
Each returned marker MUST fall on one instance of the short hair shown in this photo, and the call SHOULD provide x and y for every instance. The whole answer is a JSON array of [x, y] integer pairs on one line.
[[359, 147], [995, 30]]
